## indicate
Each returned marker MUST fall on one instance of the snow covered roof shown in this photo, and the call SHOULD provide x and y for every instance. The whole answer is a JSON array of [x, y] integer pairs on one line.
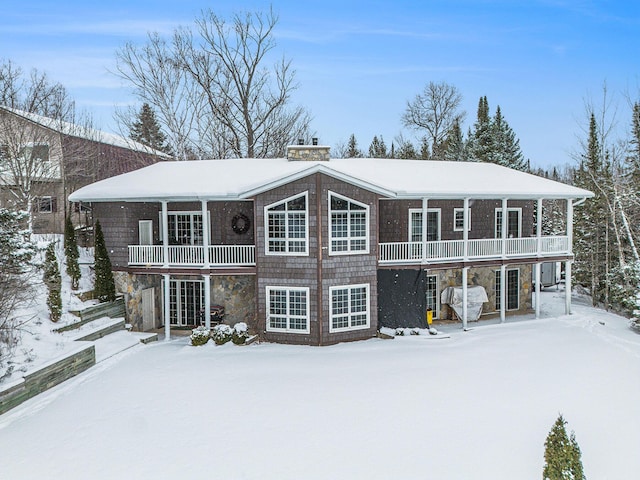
[[86, 133], [243, 178]]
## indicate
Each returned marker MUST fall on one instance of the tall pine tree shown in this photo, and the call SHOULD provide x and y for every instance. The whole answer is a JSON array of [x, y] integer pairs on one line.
[[378, 149], [71, 253], [51, 278], [352, 148], [454, 148], [104, 289], [506, 147], [146, 130]]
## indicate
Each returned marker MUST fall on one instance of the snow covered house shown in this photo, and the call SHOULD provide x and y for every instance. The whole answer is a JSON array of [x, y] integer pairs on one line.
[[313, 250], [42, 160]]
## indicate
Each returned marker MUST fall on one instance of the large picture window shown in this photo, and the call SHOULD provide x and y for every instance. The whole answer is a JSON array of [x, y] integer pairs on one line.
[[349, 308], [349, 231], [287, 231], [185, 228], [288, 309]]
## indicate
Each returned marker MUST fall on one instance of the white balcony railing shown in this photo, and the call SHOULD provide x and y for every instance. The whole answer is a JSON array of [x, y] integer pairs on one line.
[[193, 255], [453, 250]]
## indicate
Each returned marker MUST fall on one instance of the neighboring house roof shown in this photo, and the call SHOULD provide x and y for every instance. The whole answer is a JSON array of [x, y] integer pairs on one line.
[[243, 178], [86, 133]]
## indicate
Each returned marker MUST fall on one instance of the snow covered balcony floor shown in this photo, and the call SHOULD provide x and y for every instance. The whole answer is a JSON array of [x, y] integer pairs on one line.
[[192, 255], [477, 249]]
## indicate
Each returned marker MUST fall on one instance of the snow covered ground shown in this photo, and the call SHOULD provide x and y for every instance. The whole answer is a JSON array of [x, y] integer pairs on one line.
[[477, 405]]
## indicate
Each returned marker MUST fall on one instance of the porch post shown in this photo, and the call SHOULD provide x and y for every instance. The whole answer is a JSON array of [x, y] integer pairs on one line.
[[465, 230], [165, 235], [207, 301], [503, 293], [205, 234], [567, 287], [464, 297], [570, 225], [425, 228], [539, 228], [167, 322], [503, 229], [538, 285]]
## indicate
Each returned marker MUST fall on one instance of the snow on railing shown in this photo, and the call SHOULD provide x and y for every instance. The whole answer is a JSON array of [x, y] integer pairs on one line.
[[411, 252], [192, 255]]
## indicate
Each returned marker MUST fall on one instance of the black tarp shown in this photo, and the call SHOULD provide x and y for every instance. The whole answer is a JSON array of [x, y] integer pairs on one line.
[[402, 298]]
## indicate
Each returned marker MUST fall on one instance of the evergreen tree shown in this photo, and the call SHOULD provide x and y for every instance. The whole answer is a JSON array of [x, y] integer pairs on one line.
[[105, 289], [481, 142], [53, 281], [562, 456], [72, 254], [506, 147], [378, 149], [425, 151], [352, 148], [146, 130], [406, 151], [454, 145]]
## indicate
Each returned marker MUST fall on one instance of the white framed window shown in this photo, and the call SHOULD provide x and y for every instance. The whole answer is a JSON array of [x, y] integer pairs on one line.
[[186, 302], [349, 225], [432, 295], [458, 220], [514, 222], [349, 308], [513, 289], [415, 225], [286, 226], [185, 227], [288, 309], [145, 232]]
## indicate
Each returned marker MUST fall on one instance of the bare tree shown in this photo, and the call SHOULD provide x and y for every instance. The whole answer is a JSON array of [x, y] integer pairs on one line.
[[436, 111], [212, 89]]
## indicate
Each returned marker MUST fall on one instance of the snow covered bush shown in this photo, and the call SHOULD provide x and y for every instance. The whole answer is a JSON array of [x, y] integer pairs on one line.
[[562, 454], [72, 254], [240, 333], [53, 281], [105, 289], [221, 334], [200, 336]]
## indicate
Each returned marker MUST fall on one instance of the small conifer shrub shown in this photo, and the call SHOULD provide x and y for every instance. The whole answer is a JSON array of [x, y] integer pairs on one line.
[[53, 281], [562, 456], [72, 254], [105, 289]]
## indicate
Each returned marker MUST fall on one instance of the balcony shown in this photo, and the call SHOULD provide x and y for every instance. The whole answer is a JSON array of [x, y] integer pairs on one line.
[[192, 256], [395, 253]]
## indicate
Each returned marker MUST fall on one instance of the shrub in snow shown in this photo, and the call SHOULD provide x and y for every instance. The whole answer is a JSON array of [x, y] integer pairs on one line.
[[221, 334], [200, 336], [562, 454], [240, 333], [72, 253], [399, 332], [105, 288], [53, 281]]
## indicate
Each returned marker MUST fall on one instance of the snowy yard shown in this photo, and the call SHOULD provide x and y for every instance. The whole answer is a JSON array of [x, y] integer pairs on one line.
[[476, 406]]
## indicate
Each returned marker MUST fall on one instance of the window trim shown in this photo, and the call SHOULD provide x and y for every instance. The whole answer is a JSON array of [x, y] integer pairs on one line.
[[268, 292], [413, 211], [455, 213], [348, 238], [436, 311], [304, 253], [37, 204], [498, 211], [147, 227], [350, 313], [497, 290]]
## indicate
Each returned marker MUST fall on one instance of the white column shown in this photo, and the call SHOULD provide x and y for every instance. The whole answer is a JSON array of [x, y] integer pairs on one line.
[[165, 235], [538, 286], [207, 301], [465, 228], [464, 297], [504, 213], [167, 322], [205, 234], [567, 287], [570, 224], [503, 293], [425, 228], [539, 228]]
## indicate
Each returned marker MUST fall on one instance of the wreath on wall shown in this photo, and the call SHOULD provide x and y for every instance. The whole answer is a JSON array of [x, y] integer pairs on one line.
[[240, 223]]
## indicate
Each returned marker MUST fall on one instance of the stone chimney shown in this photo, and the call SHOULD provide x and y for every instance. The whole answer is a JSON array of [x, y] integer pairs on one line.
[[308, 153]]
